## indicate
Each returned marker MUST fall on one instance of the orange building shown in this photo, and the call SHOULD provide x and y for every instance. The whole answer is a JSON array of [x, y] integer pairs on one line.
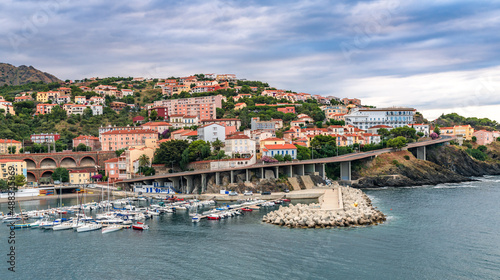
[[89, 141]]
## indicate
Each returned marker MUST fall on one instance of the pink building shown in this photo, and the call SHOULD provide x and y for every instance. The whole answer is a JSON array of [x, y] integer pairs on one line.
[[116, 169], [202, 107], [121, 139], [89, 141], [287, 110], [484, 137]]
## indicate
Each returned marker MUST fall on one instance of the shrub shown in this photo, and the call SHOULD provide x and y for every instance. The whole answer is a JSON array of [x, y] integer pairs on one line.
[[468, 145], [434, 135], [477, 154], [407, 157], [395, 162], [482, 148]]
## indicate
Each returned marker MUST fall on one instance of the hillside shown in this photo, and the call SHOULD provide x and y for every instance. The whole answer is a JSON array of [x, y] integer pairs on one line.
[[12, 75]]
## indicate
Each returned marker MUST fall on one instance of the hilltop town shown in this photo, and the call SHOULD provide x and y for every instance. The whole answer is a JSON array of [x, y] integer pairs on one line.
[[142, 127]]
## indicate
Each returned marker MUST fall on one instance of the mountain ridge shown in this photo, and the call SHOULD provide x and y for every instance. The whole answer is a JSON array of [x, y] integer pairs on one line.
[[12, 75]]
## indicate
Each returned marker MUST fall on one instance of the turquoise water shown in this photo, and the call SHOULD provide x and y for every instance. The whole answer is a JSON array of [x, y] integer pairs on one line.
[[450, 231]]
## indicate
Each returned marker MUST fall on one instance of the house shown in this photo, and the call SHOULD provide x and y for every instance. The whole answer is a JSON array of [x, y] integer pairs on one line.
[[189, 136], [12, 167], [138, 119], [176, 135], [421, 127], [64, 91], [464, 131], [7, 108], [42, 109], [298, 123], [239, 106], [241, 95], [283, 150], [212, 132], [80, 100], [257, 124], [6, 144], [271, 141], [121, 139], [353, 101], [63, 99], [287, 110], [97, 100], [365, 118], [127, 92], [240, 145], [76, 109], [80, 177], [44, 138], [374, 129], [371, 138], [116, 168], [161, 112], [23, 98], [85, 89], [117, 106], [306, 119], [159, 127], [484, 137], [225, 122], [42, 96], [87, 140], [97, 109]]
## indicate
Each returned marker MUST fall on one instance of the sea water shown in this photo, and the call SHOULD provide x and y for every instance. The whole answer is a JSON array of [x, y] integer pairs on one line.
[[449, 231]]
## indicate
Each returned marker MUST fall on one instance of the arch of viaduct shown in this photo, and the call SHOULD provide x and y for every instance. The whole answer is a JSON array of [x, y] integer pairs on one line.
[[43, 165]]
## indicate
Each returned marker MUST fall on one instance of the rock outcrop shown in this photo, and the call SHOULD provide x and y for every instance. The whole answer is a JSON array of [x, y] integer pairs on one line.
[[357, 211]]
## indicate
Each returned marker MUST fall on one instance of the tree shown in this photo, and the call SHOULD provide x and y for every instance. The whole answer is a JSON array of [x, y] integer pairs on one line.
[[12, 149], [398, 142], [170, 152], [498, 139], [61, 174], [437, 130], [81, 148], [434, 136], [474, 139], [405, 131], [288, 158], [153, 116], [322, 140], [303, 153], [144, 160], [384, 132], [482, 148], [4, 185], [118, 153], [217, 144], [19, 180], [279, 157]]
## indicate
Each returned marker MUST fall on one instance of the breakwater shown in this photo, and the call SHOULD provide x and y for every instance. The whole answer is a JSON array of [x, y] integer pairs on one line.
[[355, 209]]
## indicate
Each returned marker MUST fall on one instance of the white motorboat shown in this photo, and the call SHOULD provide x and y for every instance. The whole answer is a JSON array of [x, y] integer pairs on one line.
[[111, 228], [89, 227], [196, 218]]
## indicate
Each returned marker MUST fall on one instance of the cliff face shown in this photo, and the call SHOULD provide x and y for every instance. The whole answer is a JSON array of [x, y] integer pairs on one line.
[[12, 75], [401, 169], [458, 161]]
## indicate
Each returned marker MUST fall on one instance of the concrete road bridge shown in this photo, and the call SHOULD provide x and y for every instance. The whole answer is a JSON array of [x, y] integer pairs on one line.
[[44, 164], [184, 181]]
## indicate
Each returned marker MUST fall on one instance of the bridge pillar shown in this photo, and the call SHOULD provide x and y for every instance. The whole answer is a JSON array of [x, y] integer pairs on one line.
[[345, 171], [320, 167], [175, 182], [247, 173], [203, 182], [277, 170], [217, 178], [190, 185], [309, 169], [232, 177], [262, 173], [290, 171], [421, 153]]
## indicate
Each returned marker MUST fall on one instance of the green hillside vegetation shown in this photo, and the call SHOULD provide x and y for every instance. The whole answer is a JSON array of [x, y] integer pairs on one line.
[[478, 123]]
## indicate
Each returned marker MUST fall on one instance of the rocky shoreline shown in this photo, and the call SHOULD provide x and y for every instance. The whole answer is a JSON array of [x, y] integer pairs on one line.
[[357, 210]]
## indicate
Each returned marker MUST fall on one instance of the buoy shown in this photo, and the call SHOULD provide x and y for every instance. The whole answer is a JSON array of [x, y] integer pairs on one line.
[[355, 204], [391, 209]]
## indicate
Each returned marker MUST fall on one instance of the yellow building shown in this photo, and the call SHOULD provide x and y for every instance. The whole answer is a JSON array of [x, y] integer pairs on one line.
[[42, 96], [6, 143], [269, 141], [19, 168], [464, 131], [7, 108], [134, 153], [79, 177]]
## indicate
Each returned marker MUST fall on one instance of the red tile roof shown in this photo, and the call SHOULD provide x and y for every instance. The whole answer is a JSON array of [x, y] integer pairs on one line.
[[281, 147]]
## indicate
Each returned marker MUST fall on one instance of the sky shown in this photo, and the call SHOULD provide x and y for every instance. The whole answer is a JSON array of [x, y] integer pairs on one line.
[[435, 56]]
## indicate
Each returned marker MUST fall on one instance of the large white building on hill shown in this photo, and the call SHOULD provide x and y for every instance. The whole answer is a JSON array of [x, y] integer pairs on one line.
[[393, 117]]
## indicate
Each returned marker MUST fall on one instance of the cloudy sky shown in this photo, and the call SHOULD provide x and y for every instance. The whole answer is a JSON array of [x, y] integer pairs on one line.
[[436, 56]]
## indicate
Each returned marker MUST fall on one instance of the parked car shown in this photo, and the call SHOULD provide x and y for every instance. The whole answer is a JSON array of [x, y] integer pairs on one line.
[[265, 193], [248, 193], [287, 190], [233, 193]]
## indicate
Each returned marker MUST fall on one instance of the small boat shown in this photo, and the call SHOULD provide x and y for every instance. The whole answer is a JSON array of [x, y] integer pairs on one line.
[[213, 217], [286, 200], [246, 209], [22, 225], [8, 219], [111, 228], [196, 218], [140, 226], [89, 227]]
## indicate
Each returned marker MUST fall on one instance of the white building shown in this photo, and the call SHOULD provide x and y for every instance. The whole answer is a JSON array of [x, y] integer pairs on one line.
[[366, 118], [212, 132], [421, 127], [239, 144], [96, 109]]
